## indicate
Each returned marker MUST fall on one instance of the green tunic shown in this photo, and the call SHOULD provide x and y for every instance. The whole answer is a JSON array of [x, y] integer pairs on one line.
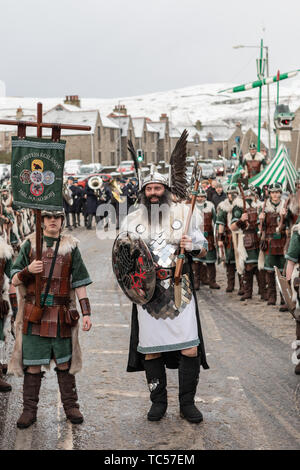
[[39, 350], [7, 270]]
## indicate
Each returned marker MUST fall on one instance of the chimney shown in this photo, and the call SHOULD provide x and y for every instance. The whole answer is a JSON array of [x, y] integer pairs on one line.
[[74, 100], [120, 109], [19, 113], [163, 117]]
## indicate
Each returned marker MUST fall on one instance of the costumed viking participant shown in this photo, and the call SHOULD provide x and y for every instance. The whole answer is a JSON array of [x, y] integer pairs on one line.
[[208, 214], [165, 328], [244, 227], [253, 162], [6, 253], [274, 218], [293, 276], [54, 332], [225, 242]]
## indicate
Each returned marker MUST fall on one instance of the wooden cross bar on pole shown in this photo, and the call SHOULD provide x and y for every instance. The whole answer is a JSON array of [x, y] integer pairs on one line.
[[56, 130]]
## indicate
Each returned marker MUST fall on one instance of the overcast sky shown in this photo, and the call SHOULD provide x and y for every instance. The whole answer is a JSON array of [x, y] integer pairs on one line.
[[116, 48]]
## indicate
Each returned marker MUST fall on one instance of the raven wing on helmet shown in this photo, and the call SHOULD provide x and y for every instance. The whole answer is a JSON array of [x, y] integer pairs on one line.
[[178, 183], [132, 151]]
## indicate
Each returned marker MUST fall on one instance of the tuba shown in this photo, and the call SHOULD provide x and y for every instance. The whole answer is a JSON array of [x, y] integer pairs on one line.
[[96, 184]]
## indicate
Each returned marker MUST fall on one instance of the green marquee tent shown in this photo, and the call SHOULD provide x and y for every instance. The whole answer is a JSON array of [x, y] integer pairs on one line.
[[280, 170]]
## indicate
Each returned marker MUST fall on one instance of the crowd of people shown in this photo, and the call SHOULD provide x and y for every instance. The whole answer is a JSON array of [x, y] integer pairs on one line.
[[81, 203]]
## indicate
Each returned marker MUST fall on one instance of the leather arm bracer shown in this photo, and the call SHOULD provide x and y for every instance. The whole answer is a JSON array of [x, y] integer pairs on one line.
[[85, 306]]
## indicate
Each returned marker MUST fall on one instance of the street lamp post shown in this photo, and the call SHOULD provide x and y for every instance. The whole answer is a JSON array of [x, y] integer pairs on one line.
[[260, 74]]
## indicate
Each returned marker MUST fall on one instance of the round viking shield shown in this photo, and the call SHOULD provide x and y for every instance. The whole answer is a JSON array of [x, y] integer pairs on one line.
[[134, 268]]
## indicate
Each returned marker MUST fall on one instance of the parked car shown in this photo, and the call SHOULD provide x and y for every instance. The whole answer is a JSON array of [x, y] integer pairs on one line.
[[126, 165], [208, 170], [72, 167], [4, 171], [218, 167]]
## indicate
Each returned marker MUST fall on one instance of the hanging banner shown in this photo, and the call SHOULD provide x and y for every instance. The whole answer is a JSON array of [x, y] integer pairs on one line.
[[37, 173]]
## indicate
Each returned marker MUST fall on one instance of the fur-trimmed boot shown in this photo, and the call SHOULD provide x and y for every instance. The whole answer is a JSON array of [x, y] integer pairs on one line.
[[157, 382], [211, 274], [196, 273], [241, 290], [31, 391], [203, 274], [188, 375], [4, 386], [230, 271], [271, 288], [248, 285], [283, 306], [69, 397]]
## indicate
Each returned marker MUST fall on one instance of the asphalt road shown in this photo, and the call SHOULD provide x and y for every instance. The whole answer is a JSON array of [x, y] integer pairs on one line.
[[250, 396]]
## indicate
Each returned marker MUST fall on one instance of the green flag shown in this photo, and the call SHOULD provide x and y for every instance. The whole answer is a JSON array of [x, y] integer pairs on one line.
[[37, 172]]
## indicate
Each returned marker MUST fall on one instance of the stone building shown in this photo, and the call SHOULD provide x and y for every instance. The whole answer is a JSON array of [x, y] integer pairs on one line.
[[146, 139]]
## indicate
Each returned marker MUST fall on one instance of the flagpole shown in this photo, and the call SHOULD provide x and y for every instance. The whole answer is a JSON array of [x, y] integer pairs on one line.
[[38, 218]]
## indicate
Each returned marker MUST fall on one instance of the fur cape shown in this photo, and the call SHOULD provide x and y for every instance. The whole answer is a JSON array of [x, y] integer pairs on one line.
[[15, 366], [6, 252]]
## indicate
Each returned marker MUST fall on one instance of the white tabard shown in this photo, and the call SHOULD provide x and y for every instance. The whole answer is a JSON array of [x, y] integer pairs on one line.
[[169, 334]]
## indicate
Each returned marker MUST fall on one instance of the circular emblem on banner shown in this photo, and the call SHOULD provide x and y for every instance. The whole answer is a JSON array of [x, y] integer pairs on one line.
[[49, 177], [37, 177], [25, 176], [37, 189], [177, 224], [37, 165]]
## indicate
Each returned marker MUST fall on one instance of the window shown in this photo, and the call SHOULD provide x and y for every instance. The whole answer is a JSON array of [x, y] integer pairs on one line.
[[153, 156], [210, 154], [209, 140], [99, 133], [112, 135], [152, 137], [196, 139], [112, 158], [99, 157]]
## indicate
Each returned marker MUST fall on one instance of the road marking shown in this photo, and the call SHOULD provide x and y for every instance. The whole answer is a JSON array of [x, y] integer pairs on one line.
[[211, 330], [97, 351], [110, 325]]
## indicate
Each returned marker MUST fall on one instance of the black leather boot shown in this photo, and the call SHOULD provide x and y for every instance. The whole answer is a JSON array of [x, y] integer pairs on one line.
[[188, 374], [157, 382]]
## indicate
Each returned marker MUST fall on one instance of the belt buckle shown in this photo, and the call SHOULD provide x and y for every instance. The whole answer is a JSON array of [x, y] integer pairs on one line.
[[162, 274]]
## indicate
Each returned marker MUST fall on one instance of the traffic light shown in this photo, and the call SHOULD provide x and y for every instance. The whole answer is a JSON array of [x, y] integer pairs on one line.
[[140, 155], [233, 152]]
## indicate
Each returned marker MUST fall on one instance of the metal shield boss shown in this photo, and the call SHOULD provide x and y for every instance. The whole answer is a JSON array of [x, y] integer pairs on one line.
[[134, 268], [286, 291]]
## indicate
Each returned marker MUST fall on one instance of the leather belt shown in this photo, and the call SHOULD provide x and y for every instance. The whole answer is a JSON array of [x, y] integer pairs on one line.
[[56, 300], [168, 273]]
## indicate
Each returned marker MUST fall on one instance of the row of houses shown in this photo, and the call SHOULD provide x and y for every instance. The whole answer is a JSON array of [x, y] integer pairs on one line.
[[106, 143]]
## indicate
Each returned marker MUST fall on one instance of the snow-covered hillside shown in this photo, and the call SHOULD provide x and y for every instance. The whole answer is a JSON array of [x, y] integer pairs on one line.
[[184, 106]]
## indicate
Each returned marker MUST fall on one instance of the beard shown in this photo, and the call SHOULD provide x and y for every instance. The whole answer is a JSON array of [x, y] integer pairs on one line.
[[165, 198]]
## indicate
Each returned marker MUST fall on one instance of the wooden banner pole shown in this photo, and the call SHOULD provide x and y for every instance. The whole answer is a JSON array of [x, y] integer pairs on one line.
[[38, 218]]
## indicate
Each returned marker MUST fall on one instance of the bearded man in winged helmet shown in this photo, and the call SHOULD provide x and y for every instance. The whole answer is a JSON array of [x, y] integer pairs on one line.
[[165, 332]]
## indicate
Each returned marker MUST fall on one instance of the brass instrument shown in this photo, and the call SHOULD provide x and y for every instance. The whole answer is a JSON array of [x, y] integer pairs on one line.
[[67, 194], [116, 191], [96, 184]]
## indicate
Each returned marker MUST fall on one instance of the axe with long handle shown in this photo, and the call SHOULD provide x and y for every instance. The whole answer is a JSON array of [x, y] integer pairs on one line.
[[181, 256]]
